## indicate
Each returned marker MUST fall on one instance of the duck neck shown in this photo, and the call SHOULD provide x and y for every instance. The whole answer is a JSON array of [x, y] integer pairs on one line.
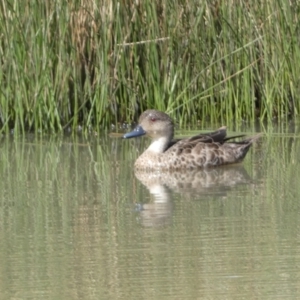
[[159, 145]]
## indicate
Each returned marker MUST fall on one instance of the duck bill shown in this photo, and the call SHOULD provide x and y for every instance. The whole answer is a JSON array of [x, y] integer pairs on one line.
[[138, 131]]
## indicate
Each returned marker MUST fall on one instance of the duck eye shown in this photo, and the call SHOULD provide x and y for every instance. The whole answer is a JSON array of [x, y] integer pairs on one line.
[[153, 119]]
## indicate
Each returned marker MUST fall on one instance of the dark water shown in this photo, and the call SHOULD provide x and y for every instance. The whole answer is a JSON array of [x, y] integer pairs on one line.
[[76, 223]]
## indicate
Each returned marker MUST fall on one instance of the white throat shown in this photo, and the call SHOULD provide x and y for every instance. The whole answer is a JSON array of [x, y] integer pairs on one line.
[[158, 145]]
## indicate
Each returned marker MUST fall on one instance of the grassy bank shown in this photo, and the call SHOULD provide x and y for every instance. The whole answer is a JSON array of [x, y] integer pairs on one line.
[[97, 63]]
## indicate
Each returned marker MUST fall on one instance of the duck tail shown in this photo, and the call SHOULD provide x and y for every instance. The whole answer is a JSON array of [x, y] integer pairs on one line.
[[246, 144]]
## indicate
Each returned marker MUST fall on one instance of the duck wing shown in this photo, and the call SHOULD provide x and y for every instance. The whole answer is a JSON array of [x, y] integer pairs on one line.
[[218, 136], [208, 152]]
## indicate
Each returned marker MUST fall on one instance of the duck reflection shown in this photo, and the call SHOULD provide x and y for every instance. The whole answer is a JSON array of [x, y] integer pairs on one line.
[[210, 183], [158, 210]]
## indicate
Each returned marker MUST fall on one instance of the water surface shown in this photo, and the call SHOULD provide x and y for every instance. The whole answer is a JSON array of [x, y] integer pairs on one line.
[[77, 223]]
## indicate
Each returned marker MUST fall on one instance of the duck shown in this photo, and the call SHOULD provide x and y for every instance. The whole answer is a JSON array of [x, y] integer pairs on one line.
[[200, 151]]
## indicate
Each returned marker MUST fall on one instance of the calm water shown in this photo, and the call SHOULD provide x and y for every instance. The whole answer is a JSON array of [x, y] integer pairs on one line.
[[76, 223]]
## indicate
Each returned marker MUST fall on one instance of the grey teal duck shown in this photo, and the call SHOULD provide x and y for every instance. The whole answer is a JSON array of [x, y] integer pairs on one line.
[[200, 151]]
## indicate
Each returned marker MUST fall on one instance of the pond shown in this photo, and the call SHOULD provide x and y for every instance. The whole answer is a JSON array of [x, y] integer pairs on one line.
[[76, 222]]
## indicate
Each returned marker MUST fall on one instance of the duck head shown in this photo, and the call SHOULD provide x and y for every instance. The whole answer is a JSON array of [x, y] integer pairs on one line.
[[155, 124]]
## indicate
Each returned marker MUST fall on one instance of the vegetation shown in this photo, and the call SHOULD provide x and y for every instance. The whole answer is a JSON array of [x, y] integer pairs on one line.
[[94, 63]]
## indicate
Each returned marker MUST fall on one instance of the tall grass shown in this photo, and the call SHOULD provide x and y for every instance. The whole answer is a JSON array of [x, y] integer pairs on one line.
[[90, 63]]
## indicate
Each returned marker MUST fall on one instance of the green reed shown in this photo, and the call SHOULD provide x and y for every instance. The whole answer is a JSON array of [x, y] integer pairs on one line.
[[97, 63]]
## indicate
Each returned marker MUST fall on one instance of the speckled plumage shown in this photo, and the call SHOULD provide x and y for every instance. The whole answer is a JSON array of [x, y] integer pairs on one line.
[[200, 151]]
